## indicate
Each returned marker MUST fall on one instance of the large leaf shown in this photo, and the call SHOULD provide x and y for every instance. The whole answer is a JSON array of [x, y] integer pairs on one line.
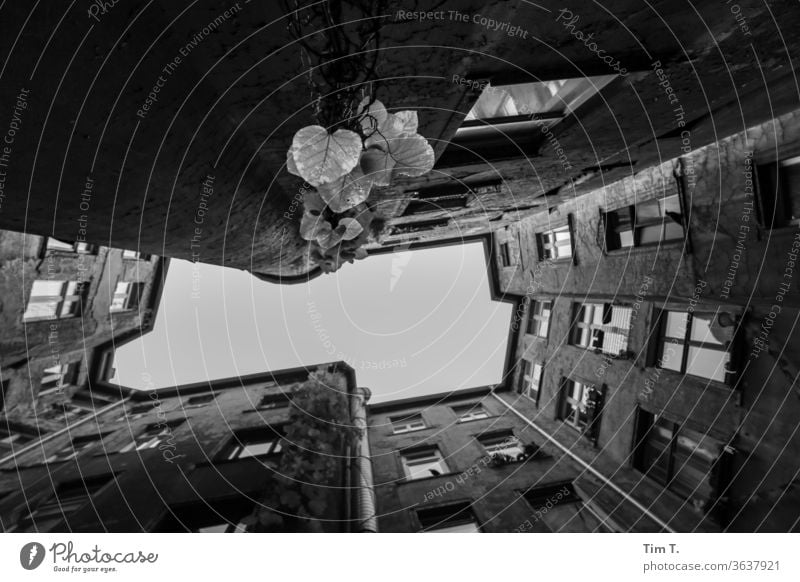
[[413, 155], [352, 228], [372, 115], [346, 192], [313, 226], [320, 158], [377, 165]]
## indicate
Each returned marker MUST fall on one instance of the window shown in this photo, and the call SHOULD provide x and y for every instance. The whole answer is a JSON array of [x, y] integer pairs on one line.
[[401, 424], [580, 406], [273, 401], [200, 400], [645, 223], [421, 206], [505, 255], [126, 296], [504, 445], [83, 248], [539, 317], [260, 442], [75, 447], [778, 187], [696, 343], [69, 498], [601, 326], [134, 255], [152, 436], [468, 412], [53, 300], [687, 462], [419, 226], [423, 463], [208, 516], [455, 518], [555, 244], [561, 509], [57, 377], [531, 380], [548, 101]]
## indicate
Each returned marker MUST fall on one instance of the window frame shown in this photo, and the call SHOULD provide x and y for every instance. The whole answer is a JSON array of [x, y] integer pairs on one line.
[[405, 424], [588, 404], [550, 246], [534, 323], [597, 330], [273, 436], [462, 514], [611, 224], [67, 375], [77, 445], [73, 301], [470, 412], [730, 376], [766, 172], [419, 455], [527, 379], [206, 398], [131, 298]]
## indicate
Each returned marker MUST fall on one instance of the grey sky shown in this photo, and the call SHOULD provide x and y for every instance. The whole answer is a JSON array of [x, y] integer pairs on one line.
[[410, 323]]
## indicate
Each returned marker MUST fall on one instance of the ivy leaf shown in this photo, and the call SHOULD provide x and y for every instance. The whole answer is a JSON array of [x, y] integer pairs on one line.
[[377, 165], [346, 192], [352, 228], [313, 202], [321, 158], [313, 226], [413, 154], [361, 253]]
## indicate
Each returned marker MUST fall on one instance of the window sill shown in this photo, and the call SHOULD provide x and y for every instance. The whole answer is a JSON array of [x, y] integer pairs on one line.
[[402, 432], [706, 382], [649, 248], [406, 480], [476, 419]]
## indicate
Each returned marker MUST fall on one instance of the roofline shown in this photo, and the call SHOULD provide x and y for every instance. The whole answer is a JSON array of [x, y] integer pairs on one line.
[[230, 382], [417, 401]]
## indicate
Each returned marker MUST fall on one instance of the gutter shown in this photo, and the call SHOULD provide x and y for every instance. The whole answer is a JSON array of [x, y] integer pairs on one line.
[[47, 438], [627, 496], [361, 471]]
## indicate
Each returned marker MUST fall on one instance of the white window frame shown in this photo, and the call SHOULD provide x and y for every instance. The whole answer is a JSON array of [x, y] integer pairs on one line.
[[587, 332], [122, 300], [245, 447], [537, 320], [407, 423], [576, 400], [552, 244], [470, 412], [66, 303], [532, 374], [426, 459]]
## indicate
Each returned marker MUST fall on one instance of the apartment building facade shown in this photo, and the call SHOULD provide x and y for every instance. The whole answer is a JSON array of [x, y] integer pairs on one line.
[[658, 328], [195, 458], [467, 461], [62, 306]]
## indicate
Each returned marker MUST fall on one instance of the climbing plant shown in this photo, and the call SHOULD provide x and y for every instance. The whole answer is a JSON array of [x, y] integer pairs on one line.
[[318, 433], [357, 145]]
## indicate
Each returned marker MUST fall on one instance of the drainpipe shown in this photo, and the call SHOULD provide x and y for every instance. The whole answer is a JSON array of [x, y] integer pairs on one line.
[[59, 432], [362, 469], [627, 496]]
